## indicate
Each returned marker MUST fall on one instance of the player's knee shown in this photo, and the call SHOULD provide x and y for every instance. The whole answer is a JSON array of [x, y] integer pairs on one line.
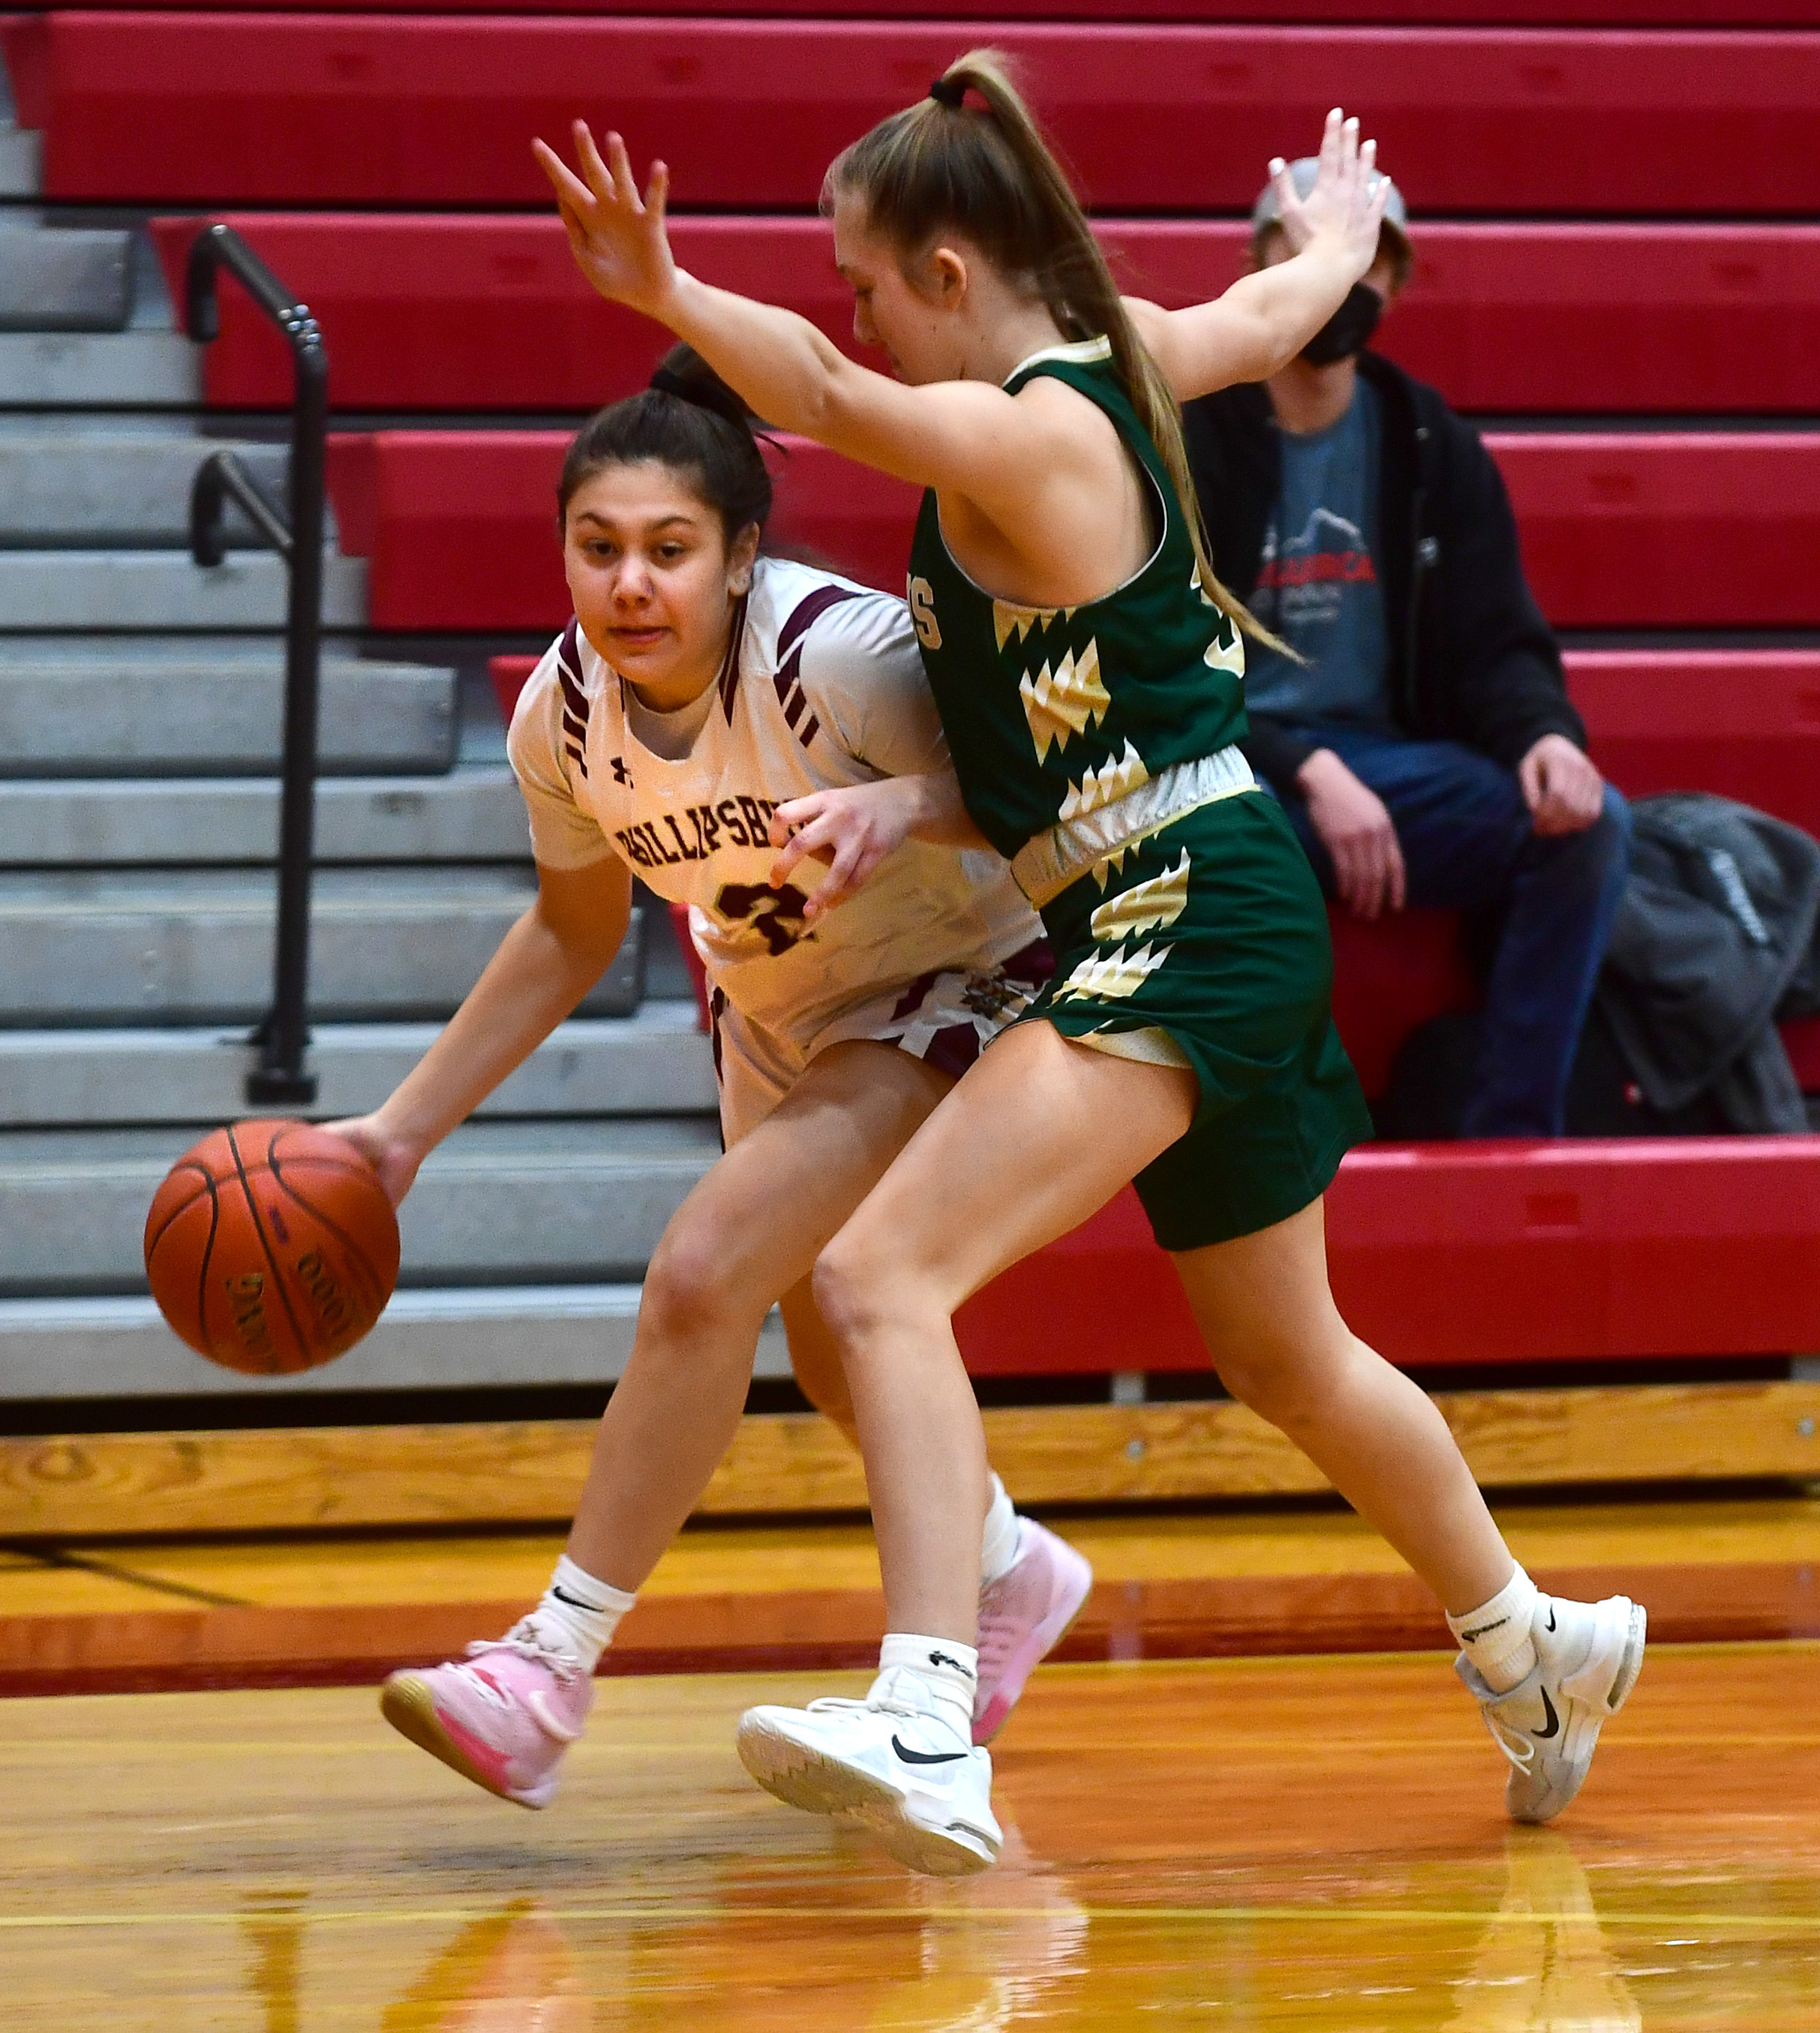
[[1279, 1377], [848, 1285], [694, 1287]]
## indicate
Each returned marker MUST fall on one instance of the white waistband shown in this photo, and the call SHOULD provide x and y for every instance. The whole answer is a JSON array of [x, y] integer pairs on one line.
[[1043, 868]]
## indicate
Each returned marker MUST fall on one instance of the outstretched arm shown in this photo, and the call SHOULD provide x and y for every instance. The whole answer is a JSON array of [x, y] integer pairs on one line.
[[1265, 320], [545, 965], [964, 436]]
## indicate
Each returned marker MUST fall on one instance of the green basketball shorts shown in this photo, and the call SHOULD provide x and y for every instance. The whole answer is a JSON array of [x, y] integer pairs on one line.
[[1205, 945]]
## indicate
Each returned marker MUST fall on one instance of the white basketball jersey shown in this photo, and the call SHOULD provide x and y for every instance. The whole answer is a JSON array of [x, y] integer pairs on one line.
[[823, 687]]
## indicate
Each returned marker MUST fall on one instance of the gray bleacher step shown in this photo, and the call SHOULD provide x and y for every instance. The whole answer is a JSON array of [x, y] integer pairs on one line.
[[499, 1203], [84, 483], [471, 814], [65, 279], [656, 1062], [152, 708], [464, 1338], [21, 161], [99, 370], [163, 589], [190, 946]]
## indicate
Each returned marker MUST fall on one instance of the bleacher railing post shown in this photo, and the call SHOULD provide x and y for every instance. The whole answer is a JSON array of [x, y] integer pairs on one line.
[[280, 1079]]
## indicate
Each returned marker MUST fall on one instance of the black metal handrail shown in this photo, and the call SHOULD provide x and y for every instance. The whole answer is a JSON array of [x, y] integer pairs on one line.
[[279, 1077]]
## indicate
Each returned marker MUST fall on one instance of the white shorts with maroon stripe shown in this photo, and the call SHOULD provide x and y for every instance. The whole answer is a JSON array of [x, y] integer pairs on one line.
[[946, 1019]]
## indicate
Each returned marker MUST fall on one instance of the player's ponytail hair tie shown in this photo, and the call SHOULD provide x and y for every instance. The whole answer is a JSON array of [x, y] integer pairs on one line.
[[949, 91]]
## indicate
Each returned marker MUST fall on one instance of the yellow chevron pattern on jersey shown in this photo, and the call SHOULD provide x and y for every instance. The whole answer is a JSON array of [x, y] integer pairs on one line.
[[1063, 700], [1113, 864], [1146, 907], [1008, 620], [1228, 655], [1115, 977], [1117, 778]]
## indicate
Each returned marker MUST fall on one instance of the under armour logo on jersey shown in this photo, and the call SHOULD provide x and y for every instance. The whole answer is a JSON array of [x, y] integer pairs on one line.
[[621, 773]]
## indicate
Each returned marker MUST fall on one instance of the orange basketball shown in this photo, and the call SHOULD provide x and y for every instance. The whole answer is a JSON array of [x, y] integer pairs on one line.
[[271, 1247]]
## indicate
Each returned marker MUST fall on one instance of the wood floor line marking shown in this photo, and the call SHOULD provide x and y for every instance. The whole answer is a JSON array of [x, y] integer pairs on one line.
[[1151, 1915]]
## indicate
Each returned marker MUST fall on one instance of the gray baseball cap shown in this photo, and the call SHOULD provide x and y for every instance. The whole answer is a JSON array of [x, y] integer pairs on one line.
[[1267, 211]]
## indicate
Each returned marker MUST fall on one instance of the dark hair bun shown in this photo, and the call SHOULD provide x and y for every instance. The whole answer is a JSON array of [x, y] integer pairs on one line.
[[689, 420], [683, 373]]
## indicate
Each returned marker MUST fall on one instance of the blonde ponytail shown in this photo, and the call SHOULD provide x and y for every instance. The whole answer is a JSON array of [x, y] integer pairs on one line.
[[938, 166]]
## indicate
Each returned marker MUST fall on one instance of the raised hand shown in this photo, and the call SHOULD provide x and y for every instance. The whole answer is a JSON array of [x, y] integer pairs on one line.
[[1346, 203], [616, 237]]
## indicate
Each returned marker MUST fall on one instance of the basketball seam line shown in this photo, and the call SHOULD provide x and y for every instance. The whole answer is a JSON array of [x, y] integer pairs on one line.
[[316, 1215], [259, 1229]]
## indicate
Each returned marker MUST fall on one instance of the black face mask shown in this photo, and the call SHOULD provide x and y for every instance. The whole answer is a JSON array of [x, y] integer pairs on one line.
[[1348, 329]]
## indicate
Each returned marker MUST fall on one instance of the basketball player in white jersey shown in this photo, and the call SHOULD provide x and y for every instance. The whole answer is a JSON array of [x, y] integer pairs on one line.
[[700, 687]]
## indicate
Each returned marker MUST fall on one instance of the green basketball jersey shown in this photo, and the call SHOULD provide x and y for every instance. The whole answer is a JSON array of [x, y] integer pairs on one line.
[[1051, 713]]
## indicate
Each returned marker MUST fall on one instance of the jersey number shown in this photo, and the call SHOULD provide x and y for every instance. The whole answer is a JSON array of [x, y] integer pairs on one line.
[[775, 914], [922, 613]]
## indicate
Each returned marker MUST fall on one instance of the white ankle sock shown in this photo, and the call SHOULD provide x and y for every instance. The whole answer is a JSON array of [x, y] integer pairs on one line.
[[950, 1671], [578, 1613], [998, 1551], [1496, 1636]]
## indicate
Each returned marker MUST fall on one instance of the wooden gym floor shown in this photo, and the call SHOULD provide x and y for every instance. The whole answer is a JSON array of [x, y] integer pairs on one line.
[[162, 1614], [1311, 1842]]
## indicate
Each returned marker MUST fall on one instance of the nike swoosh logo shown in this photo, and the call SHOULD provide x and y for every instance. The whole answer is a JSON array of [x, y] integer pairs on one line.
[[1484, 1630], [942, 1659], [1551, 1616], [924, 1756], [1554, 1727], [575, 1602]]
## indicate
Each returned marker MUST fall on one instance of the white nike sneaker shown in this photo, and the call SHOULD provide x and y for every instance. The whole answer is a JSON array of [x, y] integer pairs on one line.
[[1588, 1655], [893, 1764]]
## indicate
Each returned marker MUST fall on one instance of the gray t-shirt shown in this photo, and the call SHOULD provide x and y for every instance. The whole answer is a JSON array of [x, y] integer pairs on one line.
[[1318, 584]]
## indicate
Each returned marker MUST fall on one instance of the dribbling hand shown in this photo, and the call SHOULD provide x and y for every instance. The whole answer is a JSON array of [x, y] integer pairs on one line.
[[617, 238], [394, 1161], [1346, 205]]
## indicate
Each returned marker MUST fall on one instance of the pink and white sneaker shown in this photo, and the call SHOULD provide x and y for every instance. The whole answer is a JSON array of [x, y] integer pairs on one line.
[[1022, 1617], [503, 1718]]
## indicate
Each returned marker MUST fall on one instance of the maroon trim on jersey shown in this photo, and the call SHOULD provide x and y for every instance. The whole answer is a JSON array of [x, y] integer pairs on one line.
[[790, 654], [575, 697], [805, 613], [790, 695], [728, 681]]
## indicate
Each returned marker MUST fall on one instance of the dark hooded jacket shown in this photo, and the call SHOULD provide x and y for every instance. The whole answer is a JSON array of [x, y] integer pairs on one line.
[[1712, 942], [1470, 658]]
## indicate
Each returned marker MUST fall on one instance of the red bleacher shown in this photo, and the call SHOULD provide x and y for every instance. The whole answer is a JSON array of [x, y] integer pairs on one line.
[[376, 108], [432, 313], [1696, 530], [1471, 1254], [1512, 13]]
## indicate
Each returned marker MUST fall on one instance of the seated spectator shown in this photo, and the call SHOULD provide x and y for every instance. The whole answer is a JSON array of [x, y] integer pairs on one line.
[[1424, 747]]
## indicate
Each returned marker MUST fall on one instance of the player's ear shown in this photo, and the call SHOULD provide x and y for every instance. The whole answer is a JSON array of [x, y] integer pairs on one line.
[[945, 277], [742, 555]]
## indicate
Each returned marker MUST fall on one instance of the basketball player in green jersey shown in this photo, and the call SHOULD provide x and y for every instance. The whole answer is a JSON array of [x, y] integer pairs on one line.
[[1088, 669]]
